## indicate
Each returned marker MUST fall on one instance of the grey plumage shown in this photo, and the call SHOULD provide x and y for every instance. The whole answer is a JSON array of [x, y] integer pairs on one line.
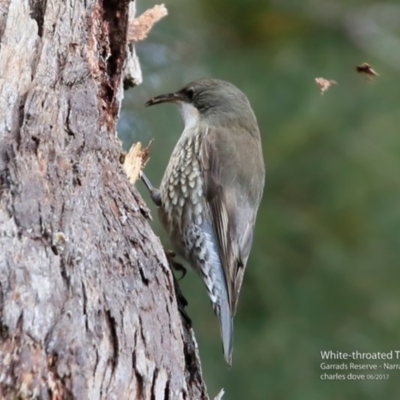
[[211, 190]]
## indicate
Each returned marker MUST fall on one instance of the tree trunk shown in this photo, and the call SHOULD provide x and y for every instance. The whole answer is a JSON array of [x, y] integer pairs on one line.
[[87, 301]]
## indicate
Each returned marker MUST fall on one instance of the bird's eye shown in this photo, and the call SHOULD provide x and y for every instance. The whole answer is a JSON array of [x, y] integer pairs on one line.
[[190, 94]]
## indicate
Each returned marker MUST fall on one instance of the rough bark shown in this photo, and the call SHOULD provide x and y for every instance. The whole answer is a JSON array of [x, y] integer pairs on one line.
[[87, 301]]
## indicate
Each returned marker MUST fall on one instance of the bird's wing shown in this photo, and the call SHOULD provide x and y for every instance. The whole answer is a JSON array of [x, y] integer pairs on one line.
[[234, 179]]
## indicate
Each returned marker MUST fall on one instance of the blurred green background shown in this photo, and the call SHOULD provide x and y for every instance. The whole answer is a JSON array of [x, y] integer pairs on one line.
[[324, 273]]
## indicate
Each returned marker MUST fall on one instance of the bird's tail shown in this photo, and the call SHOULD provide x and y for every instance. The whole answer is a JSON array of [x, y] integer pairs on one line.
[[215, 281], [224, 314]]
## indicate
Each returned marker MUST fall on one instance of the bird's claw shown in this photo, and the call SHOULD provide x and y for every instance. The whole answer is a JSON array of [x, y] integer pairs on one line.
[[174, 264], [182, 302]]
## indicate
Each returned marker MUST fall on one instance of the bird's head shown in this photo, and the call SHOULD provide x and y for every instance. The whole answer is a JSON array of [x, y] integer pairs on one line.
[[213, 99]]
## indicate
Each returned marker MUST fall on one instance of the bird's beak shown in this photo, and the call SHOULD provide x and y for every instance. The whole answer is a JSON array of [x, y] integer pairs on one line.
[[164, 98]]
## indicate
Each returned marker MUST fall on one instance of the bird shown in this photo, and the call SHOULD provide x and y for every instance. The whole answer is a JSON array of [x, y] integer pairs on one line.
[[211, 190]]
